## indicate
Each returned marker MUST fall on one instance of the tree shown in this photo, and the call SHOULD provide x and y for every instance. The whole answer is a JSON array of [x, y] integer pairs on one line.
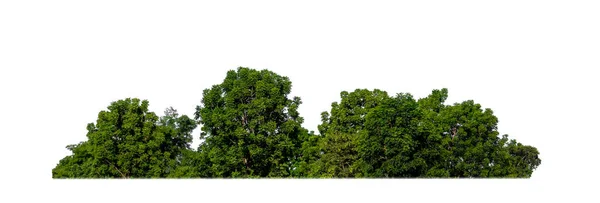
[[433, 138], [249, 126], [128, 141], [370, 134], [462, 140], [387, 147], [337, 160], [310, 151], [341, 130]]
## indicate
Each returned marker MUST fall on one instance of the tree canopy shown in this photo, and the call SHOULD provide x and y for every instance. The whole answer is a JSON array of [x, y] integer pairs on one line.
[[250, 128], [370, 134], [128, 141]]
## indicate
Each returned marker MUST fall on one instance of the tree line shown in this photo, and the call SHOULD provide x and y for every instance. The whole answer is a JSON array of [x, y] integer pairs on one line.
[[251, 129]]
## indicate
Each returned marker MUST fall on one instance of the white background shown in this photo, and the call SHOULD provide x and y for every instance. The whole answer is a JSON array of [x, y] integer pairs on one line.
[[531, 62]]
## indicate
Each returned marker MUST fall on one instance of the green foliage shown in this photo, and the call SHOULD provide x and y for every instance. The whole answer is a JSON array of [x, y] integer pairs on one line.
[[309, 152], [127, 141], [251, 129], [402, 137]]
